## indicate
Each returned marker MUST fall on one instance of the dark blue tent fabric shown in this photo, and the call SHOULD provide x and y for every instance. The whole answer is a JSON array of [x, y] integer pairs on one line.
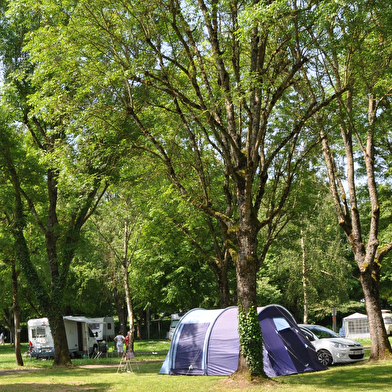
[[286, 350], [206, 342], [280, 362]]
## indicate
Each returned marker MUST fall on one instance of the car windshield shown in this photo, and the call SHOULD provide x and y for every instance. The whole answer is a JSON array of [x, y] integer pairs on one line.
[[322, 332]]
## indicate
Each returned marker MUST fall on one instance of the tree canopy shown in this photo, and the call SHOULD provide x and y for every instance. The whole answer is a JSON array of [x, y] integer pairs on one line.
[[199, 127]]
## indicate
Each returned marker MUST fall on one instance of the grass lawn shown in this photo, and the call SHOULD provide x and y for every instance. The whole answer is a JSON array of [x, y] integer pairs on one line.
[[101, 375]]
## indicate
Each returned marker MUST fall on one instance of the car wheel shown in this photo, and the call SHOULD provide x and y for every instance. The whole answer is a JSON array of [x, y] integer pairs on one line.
[[324, 357]]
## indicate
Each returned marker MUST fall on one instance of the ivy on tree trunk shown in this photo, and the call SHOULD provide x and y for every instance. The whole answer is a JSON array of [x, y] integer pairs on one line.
[[251, 340]]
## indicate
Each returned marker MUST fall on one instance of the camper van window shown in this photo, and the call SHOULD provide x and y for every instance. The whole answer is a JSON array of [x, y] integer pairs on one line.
[[94, 326], [109, 325], [38, 332]]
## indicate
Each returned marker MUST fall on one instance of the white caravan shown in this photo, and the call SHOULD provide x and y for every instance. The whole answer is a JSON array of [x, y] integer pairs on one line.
[[102, 328], [81, 341]]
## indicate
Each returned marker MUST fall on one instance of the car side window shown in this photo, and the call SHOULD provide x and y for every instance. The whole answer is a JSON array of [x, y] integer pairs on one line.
[[323, 334], [308, 335]]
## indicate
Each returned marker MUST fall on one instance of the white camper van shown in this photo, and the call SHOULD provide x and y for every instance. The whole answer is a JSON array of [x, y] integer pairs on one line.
[[102, 328], [81, 341], [40, 338]]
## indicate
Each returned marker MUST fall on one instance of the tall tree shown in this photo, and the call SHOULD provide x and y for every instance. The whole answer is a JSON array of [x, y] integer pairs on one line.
[[199, 81], [356, 54], [70, 179], [13, 215]]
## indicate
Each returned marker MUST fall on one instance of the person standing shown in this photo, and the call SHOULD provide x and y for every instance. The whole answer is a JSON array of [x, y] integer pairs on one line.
[[2, 339], [119, 339]]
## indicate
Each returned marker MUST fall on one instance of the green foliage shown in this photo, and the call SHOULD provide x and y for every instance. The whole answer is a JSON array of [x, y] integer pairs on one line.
[[269, 293], [251, 340]]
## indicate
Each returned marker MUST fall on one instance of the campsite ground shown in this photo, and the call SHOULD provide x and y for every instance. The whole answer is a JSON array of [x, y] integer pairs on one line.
[[101, 375]]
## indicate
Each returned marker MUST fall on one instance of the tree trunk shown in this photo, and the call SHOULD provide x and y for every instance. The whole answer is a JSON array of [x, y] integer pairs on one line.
[[220, 263], [304, 281], [371, 268], [224, 291], [247, 266], [219, 267], [128, 296], [18, 354], [55, 315], [121, 310], [139, 325], [246, 288], [61, 350], [380, 345], [131, 331]]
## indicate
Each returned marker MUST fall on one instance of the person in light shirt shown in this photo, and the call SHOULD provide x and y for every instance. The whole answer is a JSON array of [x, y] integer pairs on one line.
[[119, 339]]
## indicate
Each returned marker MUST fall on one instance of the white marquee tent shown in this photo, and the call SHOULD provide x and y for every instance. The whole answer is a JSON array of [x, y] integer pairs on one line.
[[356, 326]]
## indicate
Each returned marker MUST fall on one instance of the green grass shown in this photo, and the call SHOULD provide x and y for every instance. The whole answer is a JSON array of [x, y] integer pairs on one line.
[[41, 376], [367, 342]]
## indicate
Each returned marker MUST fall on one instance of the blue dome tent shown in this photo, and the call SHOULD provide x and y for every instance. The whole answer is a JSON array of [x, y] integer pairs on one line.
[[206, 342]]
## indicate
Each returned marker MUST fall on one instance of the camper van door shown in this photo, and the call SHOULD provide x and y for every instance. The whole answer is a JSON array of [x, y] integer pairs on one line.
[[75, 343]]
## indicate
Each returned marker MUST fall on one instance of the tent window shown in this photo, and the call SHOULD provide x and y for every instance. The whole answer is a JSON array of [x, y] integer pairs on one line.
[[281, 323]]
